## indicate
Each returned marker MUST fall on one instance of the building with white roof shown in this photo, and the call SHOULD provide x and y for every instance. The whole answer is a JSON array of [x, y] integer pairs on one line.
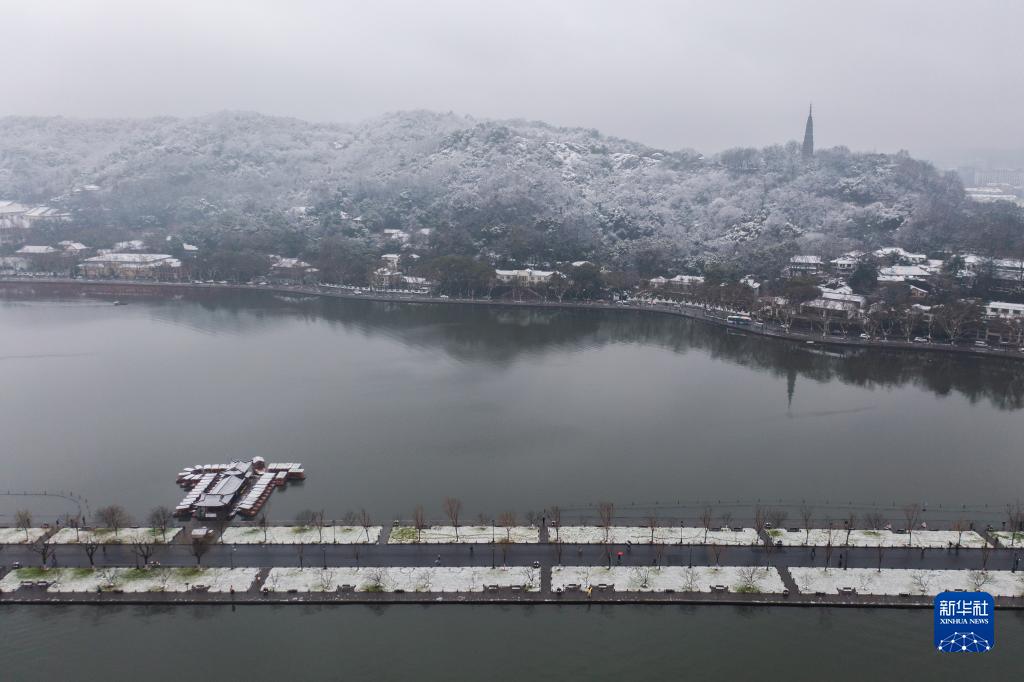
[[132, 266], [1005, 310], [901, 273], [30, 250], [523, 277]]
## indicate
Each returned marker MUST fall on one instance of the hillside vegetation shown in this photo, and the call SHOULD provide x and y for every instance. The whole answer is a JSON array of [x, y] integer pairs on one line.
[[510, 191]]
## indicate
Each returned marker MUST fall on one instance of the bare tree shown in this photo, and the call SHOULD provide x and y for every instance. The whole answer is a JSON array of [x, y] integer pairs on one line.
[[986, 552], [979, 579], [114, 517], [556, 521], [606, 513], [142, 550], [1015, 517], [652, 524], [507, 520], [959, 526], [198, 549], [912, 515], [921, 580], [659, 552], [90, 551], [453, 507], [419, 520], [807, 516], [317, 521], [365, 521], [880, 549], [43, 549], [874, 520], [778, 517], [690, 580], [706, 519], [718, 551], [159, 518], [727, 519], [750, 577], [850, 522], [263, 525], [23, 520], [759, 520]]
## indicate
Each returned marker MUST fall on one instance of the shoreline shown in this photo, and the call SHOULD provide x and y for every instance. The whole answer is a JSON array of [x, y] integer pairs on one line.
[[46, 287]]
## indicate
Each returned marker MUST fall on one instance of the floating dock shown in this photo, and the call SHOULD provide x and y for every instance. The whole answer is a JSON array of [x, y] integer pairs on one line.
[[237, 487]]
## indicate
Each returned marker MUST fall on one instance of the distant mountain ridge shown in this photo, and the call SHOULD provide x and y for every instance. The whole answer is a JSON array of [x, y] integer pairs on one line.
[[516, 190]]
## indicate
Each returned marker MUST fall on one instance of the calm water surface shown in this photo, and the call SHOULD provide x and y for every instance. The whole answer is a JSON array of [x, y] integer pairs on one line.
[[391, 406], [489, 643]]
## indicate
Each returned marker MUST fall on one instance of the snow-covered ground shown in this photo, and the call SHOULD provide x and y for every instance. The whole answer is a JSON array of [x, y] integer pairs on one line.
[[134, 580], [295, 535], [895, 581], [639, 535], [820, 537], [676, 578], [103, 536], [1008, 539], [406, 578], [403, 535], [16, 536]]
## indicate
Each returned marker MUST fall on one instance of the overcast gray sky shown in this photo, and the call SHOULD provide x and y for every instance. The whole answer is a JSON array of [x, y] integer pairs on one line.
[[927, 76]]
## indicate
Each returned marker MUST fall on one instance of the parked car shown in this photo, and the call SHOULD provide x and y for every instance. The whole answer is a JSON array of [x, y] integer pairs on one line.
[[980, 344], [921, 339], [866, 337]]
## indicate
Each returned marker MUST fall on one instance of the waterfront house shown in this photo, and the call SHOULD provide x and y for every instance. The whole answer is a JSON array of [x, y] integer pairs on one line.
[[292, 271], [1010, 311], [157, 266], [526, 277]]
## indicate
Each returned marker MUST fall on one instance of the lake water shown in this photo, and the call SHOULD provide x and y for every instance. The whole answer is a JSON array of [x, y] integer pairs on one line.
[[489, 643], [391, 406]]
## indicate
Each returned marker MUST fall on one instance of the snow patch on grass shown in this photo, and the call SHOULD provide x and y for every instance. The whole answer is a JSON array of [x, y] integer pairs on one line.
[[296, 535], [819, 537], [896, 581], [16, 536], [640, 535], [403, 535], [404, 578], [166, 579], [105, 536], [669, 578]]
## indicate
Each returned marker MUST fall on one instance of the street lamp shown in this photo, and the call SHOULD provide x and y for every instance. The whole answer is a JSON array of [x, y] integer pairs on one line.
[[234, 548]]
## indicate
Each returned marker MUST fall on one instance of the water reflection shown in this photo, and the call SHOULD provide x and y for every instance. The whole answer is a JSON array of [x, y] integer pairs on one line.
[[501, 336]]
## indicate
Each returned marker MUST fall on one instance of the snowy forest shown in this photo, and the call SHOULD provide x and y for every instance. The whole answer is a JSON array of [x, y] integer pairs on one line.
[[510, 192]]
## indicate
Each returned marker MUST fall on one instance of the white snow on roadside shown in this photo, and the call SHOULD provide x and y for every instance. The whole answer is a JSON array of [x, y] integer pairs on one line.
[[405, 535], [164, 579], [16, 536], [896, 581], [404, 578], [104, 536], [668, 578], [640, 535], [295, 535], [819, 537]]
